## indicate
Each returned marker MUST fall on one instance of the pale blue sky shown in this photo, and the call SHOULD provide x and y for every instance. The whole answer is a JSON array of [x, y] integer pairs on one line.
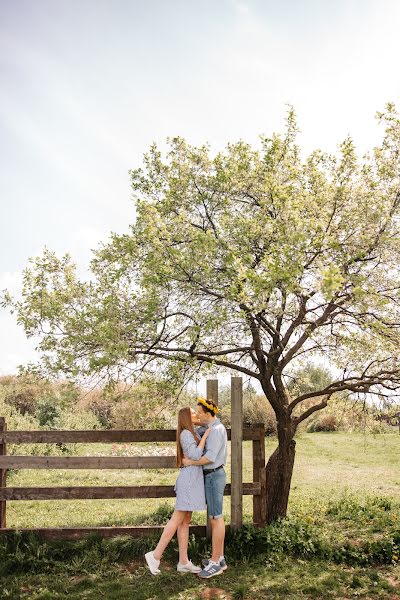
[[87, 85]]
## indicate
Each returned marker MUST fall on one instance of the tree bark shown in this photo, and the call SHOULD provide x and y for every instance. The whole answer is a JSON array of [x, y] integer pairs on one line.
[[279, 470]]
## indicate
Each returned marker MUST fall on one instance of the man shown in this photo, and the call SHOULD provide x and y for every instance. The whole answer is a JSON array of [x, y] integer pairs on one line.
[[213, 461]]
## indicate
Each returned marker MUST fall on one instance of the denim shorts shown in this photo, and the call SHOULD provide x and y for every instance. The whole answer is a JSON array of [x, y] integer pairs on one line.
[[214, 485]]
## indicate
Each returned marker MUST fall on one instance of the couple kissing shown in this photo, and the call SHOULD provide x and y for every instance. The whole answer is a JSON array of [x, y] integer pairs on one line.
[[201, 451]]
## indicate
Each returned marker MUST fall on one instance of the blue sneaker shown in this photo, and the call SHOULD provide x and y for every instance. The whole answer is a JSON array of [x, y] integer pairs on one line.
[[222, 562], [210, 570]]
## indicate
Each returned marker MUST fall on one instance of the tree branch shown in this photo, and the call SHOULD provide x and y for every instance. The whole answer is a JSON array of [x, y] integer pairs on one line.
[[310, 411], [200, 358]]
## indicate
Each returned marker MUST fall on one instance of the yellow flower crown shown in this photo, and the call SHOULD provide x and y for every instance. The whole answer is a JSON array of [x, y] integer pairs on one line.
[[204, 402]]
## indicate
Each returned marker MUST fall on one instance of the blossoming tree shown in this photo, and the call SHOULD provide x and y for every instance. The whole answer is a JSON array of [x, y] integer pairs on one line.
[[250, 260]]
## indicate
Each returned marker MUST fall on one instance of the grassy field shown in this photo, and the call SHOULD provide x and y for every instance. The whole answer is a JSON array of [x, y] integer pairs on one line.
[[345, 489]]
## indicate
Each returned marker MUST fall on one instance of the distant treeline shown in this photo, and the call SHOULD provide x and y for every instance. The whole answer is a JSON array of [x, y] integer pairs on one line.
[[29, 402]]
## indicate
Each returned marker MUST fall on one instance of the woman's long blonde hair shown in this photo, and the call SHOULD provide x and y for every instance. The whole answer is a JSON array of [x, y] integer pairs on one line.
[[184, 422]]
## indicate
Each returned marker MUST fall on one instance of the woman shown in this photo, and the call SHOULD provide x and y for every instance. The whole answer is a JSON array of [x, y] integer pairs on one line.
[[190, 494]]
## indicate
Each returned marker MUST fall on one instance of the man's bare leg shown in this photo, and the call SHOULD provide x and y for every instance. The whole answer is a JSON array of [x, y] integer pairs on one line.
[[218, 536]]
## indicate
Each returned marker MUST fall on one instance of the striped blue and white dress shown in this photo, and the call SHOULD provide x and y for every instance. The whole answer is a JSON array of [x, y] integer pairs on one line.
[[189, 486]]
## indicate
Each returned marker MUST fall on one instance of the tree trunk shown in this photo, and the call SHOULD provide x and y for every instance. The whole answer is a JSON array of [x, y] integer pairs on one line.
[[279, 471]]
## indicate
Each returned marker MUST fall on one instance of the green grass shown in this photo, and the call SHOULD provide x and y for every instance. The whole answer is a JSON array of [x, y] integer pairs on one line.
[[288, 559], [286, 578], [363, 463], [345, 490]]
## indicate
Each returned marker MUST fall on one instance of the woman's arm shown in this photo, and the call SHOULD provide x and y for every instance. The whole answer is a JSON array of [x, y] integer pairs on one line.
[[202, 442], [189, 446]]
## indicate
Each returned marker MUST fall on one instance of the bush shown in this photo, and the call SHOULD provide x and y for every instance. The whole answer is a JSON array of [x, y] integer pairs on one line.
[[62, 420], [258, 410], [21, 394], [101, 406], [350, 415], [84, 419], [146, 405], [289, 536], [27, 552], [324, 423], [17, 421], [47, 412], [26, 392]]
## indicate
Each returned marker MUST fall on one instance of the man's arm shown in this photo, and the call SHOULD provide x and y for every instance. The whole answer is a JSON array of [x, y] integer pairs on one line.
[[213, 445], [204, 460]]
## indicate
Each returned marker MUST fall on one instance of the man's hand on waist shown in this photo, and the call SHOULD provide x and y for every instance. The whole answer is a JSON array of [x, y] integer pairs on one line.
[[187, 462]]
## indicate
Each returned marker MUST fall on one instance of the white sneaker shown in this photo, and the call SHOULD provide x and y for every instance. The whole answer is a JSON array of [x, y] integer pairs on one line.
[[188, 568], [152, 563]]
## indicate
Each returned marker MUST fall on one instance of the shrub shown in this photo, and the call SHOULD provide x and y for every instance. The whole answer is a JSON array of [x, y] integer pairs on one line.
[[257, 409], [62, 420], [103, 412], [47, 412], [225, 414], [289, 536], [324, 423], [17, 421], [23, 396], [26, 392], [350, 415], [84, 419], [349, 507], [146, 405], [101, 406]]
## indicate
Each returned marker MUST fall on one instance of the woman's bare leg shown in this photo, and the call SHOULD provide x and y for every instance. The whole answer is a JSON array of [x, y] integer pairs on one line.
[[183, 538], [168, 533]]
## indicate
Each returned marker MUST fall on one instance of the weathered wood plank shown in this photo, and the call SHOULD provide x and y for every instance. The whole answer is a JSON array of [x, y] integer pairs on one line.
[[87, 462], [105, 492], [212, 390], [107, 436], [259, 476], [236, 452], [74, 533], [88, 436]]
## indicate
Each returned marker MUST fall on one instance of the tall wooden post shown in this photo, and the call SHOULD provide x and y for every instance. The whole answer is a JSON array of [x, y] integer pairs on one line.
[[259, 476], [236, 452], [212, 394], [3, 474], [212, 390]]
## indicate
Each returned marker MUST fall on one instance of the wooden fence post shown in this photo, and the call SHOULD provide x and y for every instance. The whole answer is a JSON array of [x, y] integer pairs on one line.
[[236, 452], [259, 476], [3, 474], [212, 394], [212, 390]]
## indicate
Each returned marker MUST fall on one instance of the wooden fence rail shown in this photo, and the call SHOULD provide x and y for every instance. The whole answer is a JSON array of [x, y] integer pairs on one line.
[[103, 436], [257, 488]]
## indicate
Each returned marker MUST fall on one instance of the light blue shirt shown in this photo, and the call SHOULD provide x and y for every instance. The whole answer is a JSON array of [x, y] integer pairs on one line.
[[216, 447]]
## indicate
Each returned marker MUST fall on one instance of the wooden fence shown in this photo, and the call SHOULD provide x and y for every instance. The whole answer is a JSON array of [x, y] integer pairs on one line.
[[256, 488]]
